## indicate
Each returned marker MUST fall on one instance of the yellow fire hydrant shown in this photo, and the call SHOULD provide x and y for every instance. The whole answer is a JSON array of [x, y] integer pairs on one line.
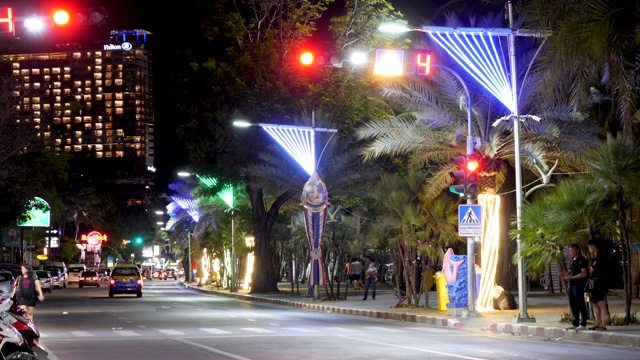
[[441, 288]]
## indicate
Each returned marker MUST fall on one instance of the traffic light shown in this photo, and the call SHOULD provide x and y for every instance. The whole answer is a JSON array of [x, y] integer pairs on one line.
[[471, 181], [138, 240], [395, 62], [64, 17], [465, 179], [310, 58], [459, 175]]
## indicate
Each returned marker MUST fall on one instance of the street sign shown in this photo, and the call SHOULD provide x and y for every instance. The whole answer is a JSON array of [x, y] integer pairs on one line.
[[470, 220]]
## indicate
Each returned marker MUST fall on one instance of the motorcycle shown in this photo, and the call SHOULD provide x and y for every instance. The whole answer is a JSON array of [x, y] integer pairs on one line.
[[14, 316]]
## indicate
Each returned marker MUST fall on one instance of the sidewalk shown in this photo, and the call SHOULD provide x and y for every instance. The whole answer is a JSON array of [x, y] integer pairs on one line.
[[546, 308]]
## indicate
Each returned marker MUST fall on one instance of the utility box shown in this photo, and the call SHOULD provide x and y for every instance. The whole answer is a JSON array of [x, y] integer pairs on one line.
[[441, 288]]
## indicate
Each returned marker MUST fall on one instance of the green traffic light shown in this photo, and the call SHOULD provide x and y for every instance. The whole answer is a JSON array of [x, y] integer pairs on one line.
[[138, 240]]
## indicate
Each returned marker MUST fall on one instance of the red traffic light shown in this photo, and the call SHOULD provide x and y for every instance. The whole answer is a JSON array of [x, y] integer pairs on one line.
[[307, 58], [472, 165], [60, 17]]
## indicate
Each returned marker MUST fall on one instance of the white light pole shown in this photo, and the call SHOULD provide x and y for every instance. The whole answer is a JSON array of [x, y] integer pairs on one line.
[[234, 287], [189, 251]]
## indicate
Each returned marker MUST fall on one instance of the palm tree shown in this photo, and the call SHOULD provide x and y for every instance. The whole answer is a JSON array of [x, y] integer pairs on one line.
[[614, 168], [593, 51]]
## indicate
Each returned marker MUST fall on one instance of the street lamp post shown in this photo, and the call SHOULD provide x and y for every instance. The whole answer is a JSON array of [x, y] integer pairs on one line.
[[189, 253], [234, 286]]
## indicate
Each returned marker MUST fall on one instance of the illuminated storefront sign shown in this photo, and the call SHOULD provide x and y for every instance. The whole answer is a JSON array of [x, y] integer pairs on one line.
[[124, 46], [94, 238]]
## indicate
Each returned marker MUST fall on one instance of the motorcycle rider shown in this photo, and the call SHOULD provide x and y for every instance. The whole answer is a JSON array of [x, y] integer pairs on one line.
[[28, 291]]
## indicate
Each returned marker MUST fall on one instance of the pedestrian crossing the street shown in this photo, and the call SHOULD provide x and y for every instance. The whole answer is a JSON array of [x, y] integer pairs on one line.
[[144, 332]]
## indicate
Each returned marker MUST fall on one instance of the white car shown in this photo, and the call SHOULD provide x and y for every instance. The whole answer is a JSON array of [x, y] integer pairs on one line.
[[74, 272]]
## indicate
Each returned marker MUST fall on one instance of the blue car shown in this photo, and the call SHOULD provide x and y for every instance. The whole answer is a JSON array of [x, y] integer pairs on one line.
[[125, 280]]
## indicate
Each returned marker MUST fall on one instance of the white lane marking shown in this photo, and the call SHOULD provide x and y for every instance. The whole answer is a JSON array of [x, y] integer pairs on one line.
[[213, 350], [251, 320], [126, 333], [258, 330], [301, 330], [80, 333], [170, 332], [413, 348], [384, 329], [343, 329], [215, 331]]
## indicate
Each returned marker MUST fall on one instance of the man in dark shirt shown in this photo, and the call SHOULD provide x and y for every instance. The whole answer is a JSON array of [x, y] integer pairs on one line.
[[577, 278]]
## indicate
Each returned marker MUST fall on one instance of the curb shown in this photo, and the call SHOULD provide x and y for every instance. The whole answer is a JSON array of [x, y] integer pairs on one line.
[[377, 314], [600, 337]]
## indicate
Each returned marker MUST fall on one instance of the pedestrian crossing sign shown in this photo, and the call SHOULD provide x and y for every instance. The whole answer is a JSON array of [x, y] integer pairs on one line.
[[470, 220]]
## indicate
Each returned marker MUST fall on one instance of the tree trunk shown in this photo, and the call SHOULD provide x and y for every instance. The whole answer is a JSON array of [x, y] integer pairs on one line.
[[626, 261], [265, 277]]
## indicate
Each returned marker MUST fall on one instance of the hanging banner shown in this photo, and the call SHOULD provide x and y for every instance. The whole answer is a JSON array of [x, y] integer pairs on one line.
[[315, 202], [38, 217]]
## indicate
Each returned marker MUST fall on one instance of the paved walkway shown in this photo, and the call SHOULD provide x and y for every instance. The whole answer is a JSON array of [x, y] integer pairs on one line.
[[546, 308]]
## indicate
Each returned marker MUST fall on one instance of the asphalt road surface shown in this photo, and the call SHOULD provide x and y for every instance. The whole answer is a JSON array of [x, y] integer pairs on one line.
[[169, 322]]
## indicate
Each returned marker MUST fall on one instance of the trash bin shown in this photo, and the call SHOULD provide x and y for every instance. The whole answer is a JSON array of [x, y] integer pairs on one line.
[[441, 288]]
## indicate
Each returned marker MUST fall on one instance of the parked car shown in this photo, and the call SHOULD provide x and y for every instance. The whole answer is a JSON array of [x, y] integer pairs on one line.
[[7, 282], [46, 281], [59, 280], [89, 278]]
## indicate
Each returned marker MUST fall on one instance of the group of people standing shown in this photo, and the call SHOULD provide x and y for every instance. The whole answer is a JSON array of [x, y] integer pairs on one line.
[[367, 272], [587, 276]]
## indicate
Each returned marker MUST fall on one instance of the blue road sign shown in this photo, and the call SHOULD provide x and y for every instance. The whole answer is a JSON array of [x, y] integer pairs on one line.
[[470, 220]]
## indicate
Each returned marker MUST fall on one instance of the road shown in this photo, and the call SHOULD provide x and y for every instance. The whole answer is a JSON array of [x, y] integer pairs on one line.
[[169, 322]]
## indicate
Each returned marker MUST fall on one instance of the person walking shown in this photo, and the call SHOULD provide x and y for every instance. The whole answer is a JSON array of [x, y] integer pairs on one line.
[[597, 269], [28, 291], [370, 278], [577, 278], [356, 269]]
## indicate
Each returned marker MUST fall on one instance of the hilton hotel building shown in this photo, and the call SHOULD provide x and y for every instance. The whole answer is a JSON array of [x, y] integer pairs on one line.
[[95, 101]]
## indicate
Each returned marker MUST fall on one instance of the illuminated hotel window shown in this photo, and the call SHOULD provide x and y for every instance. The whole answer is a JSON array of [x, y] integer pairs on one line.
[[98, 68], [46, 106], [108, 154], [57, 99], [77, 148], [119, 153], [16, 93], [55, 70], [46, 71], [98, 147], [78, 134], [78, 97], [109, 111], [15, 65], [77, 83], [108, 75], [35, 71], [119, 132], [36, 100], [98, 125], [15, 72], [97, 76], [109, 67], [87, 54], [99, 83], [67, 148], [119, 82], [67, 112], [58, 142], [26, 79], [66, 120], [37, 127], [137, 102], [87, 83], [57, 92], [26, 100], [108, 96], [108, 82], [57, 85], [87, 90], [99, 154], [78, 140], [77, 119], [67, 77], [56, 120], [119, 66], [24, 72], [67, 91], [47, 78], [67, 70], [36, 114], [98, 96], [87, 126], [119, 96], [118, 103], [36, 85], [87, 119], [88, 68], [36, 107], [26, 107], [119, 111], [77, 55], [86, 97], [109, 139], [67, 141], [47, 135], [27, 86]]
